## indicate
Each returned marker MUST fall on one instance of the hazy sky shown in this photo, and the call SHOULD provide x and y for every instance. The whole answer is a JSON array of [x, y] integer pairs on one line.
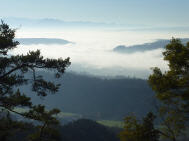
[[147, 12]]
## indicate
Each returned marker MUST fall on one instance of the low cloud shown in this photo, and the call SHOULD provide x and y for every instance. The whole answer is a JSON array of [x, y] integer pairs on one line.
[[92, 51], [101, 62]]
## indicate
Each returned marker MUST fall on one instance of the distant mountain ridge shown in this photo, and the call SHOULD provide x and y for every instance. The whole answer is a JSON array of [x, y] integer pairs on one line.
[[47, 41], [59, 23], [145, 47], [51, 22]]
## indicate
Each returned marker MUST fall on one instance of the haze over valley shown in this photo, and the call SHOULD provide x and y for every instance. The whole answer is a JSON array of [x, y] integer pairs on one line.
[[92, 46]]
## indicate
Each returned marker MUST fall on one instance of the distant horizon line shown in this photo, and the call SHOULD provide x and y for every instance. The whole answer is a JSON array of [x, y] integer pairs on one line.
[[93, 23]]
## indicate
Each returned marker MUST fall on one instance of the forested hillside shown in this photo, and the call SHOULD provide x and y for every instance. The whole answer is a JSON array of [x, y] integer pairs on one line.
[[99, 98]]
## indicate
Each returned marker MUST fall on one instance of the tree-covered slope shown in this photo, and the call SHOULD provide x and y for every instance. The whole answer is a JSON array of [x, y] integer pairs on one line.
[[110, 98]]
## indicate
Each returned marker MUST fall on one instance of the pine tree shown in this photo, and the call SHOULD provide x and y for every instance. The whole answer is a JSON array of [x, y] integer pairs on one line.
[[172, 89], [13, 70], [137, 130]]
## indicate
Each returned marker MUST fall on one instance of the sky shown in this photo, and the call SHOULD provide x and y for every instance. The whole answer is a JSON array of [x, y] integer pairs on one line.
[[144, 12]]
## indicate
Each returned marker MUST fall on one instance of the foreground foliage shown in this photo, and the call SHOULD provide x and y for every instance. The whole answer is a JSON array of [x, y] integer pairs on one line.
[[172, 92], [172, 89], [13, 70], [136, 130]]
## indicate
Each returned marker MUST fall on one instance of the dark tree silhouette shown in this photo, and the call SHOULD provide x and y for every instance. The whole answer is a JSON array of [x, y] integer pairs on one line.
[[136, 130], [172, 89], [13, 69]]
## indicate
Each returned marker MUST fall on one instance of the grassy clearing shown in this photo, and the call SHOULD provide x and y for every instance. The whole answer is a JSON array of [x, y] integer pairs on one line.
[[62, 115], [111, 123]]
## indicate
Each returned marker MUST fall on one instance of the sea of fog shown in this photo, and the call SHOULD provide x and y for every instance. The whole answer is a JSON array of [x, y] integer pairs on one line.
[[91, 50]]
